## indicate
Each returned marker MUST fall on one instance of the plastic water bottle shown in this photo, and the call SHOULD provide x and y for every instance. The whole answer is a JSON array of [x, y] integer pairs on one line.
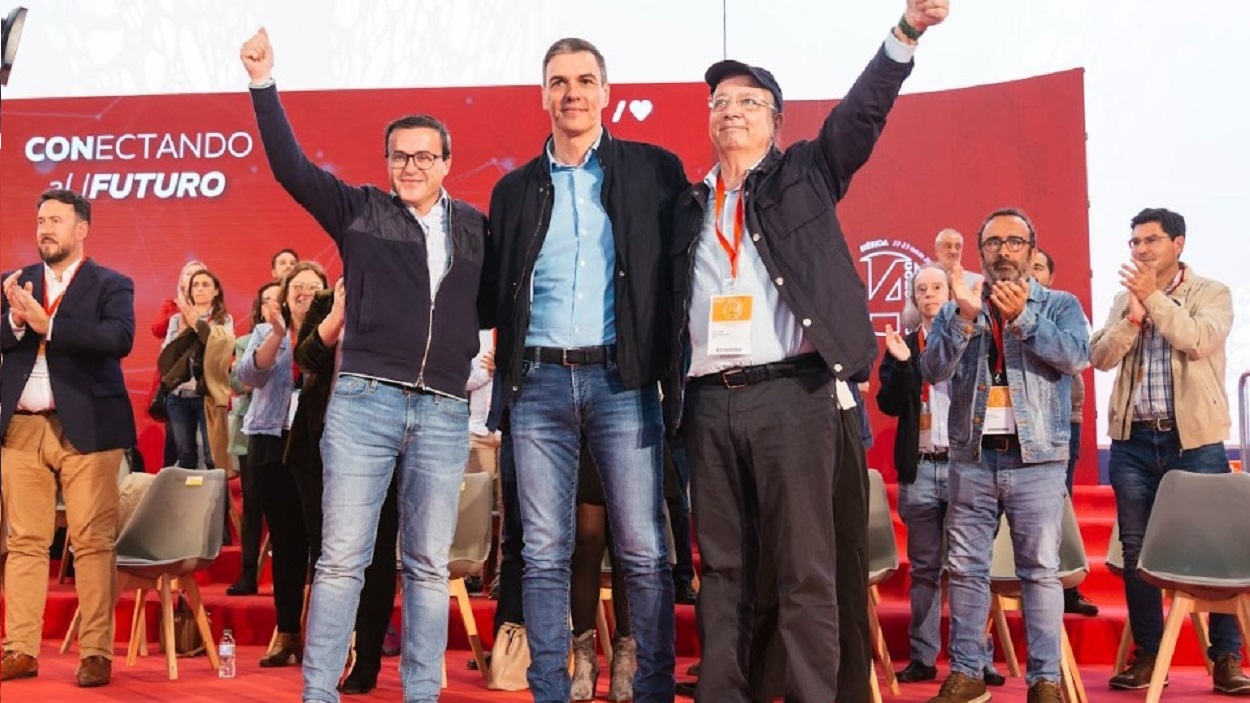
[[225, 652]]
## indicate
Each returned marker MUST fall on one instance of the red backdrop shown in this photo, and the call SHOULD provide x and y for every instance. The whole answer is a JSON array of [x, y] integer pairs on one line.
[[946, 159]]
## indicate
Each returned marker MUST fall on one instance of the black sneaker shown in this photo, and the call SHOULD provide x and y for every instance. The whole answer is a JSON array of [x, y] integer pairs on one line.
[[1075, 602], [916, 670]]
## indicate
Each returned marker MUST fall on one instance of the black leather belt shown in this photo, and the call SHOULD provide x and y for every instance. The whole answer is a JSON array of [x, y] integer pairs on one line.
[[1159, 424], [1000, 442], [936, 457], [40, 413], [580, 356], [746, 375]]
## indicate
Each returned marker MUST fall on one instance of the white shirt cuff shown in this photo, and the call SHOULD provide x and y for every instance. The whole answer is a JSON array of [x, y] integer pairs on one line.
[[19, 331], [897, 49]]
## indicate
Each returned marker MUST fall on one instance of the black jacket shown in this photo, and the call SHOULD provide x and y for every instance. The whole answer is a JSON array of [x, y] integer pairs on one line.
[[899, 396], [94, 329], [316, 362], [640, 183], [790, 205], [394, 330]]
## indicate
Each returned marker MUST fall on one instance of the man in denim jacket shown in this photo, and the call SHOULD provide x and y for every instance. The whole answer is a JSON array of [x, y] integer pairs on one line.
[[1009, 356]]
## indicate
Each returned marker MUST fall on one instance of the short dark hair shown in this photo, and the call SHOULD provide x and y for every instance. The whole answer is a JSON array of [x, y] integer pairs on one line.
[[574, 45], [82, 206], [420, 122], [258, 315], [273, 261], [1050, 262], [1172, 223], [1008, 212]]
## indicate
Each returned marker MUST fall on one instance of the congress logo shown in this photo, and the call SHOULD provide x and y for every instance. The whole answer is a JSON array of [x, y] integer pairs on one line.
[[887, 267]]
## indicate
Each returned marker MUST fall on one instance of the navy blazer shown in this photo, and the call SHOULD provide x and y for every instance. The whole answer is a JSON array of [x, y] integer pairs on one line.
[[94, 329]]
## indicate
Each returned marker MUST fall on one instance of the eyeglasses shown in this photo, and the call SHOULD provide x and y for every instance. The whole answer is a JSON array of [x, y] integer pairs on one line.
[[993, 244], [306, 287], [423, 159], [1148, 241], [720, 104]]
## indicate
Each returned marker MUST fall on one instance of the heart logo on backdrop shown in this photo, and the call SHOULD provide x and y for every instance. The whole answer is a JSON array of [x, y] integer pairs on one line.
[[640, 109]]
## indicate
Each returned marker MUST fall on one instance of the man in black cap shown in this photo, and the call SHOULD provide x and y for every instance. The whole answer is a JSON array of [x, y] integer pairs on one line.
[[774, 323]]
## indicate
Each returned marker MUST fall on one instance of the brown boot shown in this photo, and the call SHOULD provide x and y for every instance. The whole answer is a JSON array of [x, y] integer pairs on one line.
[[585, 667], [286, 650], [16, 665], [1227, 677], [624, 662], [93, 671]]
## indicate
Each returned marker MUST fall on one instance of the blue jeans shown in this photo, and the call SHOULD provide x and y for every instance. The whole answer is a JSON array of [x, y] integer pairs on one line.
[[373, 429], [623, 430], [922, 506], [1136, 467], [1033, 498], [189, 429]]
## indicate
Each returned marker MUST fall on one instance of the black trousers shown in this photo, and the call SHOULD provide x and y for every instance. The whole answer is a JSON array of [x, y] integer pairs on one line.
[[288, 536], [511, 561], [764, 461], [377, 596], [253, 518]]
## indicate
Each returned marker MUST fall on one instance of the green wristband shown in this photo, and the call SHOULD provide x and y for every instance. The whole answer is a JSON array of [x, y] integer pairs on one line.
[[909, 31]]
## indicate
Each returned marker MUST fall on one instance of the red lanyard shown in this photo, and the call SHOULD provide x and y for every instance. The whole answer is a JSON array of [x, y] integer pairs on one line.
[[996, 329], [732, 250], [51, 308], [924, 385]]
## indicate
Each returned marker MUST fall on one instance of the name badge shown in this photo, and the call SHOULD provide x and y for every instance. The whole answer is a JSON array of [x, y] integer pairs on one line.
[[290, 415], [999, 416], [729, 325], [926, 428]]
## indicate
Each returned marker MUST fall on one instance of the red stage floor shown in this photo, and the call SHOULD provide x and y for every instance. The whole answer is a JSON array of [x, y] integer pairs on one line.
[[146, 681]]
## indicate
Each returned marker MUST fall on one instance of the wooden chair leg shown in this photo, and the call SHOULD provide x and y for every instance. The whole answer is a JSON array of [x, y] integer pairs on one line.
[[1204, 639], [1243, 617], [72, 633], [63, 568], [1182, 605], [601, 622], [138, 628], [1121, 653], [872, 681], [201, 619], [1073, 686], [143, 629], [999, 616], [167, 626], [461, 594], [878, 641]]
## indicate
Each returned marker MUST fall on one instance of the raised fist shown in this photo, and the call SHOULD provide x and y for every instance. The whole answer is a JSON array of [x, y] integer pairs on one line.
[[257, 56], [923, 14]]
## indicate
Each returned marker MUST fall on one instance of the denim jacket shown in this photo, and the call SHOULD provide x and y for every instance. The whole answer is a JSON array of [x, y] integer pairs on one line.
[[1045, 346], [271, 387]]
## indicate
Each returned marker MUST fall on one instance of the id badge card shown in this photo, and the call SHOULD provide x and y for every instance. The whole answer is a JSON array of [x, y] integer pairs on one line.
[[999, 416], [290, 416], [926, 428], [729, 325]]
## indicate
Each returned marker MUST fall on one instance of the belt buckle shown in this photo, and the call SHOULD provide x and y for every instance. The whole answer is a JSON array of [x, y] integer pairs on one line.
[[1163, 424], [564, 358], [726, 377]]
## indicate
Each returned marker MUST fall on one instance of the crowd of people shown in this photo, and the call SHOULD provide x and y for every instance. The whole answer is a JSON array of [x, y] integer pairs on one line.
[[626, 353]]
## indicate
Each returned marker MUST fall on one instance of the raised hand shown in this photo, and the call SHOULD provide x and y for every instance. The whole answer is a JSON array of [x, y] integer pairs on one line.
[[967, 297], [340, 298], [27, 311], [189, 314], [1009, 297], [896, 345], [257, 56], [272, 312], [1140, 278], [923, 14], [1136, 311], [488, 361], [17, 304]]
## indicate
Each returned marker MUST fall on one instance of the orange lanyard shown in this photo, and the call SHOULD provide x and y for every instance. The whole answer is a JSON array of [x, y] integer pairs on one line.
[[924, 385], [731, 250], [50, 308]]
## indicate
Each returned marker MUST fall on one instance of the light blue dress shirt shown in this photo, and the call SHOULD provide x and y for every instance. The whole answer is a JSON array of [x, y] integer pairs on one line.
[[572, 294]]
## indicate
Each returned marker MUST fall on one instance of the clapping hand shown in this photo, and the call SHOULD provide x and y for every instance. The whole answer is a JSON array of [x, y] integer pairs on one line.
[[896, 345], [967, 297]]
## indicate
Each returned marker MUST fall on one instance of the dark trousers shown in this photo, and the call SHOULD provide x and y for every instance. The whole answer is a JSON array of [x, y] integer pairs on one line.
[[253, 517], [377, 596], [511, 562], [679, 519], [288, 537], [763, 463], [850, 506]]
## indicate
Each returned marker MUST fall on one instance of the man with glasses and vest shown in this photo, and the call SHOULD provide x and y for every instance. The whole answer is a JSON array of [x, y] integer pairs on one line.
[[1008, 348], [1166, 333]]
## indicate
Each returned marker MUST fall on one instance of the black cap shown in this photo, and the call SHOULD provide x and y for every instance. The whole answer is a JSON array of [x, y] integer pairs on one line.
[[726, 69]]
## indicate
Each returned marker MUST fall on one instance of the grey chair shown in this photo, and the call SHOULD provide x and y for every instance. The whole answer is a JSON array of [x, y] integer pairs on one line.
[[882, 565], [470, 547], [1006, 593], [175, 530], [1115, 564], [1203, 561]]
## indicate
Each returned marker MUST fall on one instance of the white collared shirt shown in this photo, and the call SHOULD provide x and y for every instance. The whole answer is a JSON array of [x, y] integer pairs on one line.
[[436, 251], [37, 395]]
